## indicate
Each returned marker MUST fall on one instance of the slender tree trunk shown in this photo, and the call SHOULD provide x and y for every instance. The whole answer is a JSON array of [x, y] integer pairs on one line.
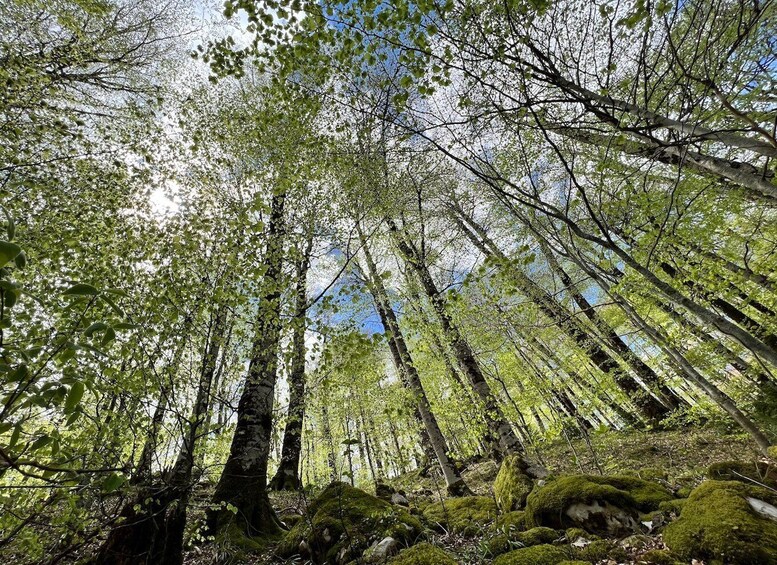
[[650, 407], [497, 423], [243, 482], [153, 533], [405, 367], [287, 475], [613, 340]]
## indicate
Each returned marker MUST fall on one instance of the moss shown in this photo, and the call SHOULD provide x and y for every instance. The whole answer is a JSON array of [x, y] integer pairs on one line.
[[772, 451], [515, 520], [497, 545], [757, 471], [536, 555], [600, 550], [573, 562], [346, 519], [672, 506], [647, 494], [684, 492], [537, 536], [423, 554], [718, 524], [576, 533], [291, 520], [658, 557], [468, 515], [512, 484]]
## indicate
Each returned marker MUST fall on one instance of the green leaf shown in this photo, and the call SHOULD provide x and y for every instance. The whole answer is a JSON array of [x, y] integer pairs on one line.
[[109, 336], [21, 260], [113, 305], [96, 327], [17, 431], [124, 326], [8, 251], [41, 442], [81, 289], [74, 396], [113, 481]]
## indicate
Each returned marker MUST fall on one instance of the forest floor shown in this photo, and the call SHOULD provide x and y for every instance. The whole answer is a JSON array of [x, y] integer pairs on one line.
[[682, 457]]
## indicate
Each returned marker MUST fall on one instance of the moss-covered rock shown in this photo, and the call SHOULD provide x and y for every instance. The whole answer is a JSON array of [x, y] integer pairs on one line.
[[343, 522], [290, 520], [537, 536], [672, 507], [573, 562], [512, 484], [573, 534], [599, 550], [515, 520], [718, 524], [536, 555], [468, 515], [608, 505], [748, 473], [423, 554]]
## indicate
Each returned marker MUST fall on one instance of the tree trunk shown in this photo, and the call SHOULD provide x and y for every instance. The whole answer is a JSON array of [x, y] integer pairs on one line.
[[497, 423], [405, 367], [242, 488], [287, 475]]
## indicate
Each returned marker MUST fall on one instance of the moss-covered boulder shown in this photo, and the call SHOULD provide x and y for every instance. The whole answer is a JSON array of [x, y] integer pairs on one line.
[[537, 555], [720, 524], [749, 473], [343, 521], [512, 521], [468, 515], [423, 554], [601, 505], [508, 539], [512, 484], [537, 536]]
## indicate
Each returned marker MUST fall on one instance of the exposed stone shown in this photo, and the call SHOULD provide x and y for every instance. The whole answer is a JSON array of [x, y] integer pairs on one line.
[[382, 550], [399, 499]]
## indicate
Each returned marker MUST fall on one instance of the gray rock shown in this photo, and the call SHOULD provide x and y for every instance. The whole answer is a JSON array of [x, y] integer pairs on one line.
[[382, 550], [399, 499]]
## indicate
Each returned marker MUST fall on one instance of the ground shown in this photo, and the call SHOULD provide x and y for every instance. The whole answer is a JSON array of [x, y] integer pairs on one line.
[[676, 460]]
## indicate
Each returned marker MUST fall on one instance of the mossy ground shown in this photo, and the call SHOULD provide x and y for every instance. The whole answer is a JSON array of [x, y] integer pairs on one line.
[[677, 459], [423, 554], [468, 515]]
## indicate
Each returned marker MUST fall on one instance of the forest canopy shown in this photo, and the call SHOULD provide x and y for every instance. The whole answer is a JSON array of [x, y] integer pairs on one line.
[[262, 259]]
